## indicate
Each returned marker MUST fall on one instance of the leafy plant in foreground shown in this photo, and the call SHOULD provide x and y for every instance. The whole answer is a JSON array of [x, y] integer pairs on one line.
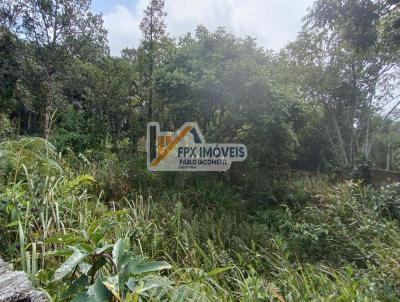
[[118, 275]]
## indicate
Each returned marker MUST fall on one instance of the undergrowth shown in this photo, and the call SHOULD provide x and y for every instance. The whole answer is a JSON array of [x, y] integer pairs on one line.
[[205, 242]]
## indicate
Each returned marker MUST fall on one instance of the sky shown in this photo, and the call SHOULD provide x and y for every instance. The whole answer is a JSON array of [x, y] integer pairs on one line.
[[273, 23]]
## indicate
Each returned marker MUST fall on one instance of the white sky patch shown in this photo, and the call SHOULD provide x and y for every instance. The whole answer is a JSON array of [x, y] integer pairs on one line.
[[123, 28], [272, 22]]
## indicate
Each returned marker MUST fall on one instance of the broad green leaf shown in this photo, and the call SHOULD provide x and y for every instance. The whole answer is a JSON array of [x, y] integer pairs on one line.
[[219, 270], [118, 252], [141, 268], [112, 285], [84, 268], [76, 286], [82, 297], [148, 284], [98, 292], [136, 292], [69, 264], [102, 249], [131, 284], [98, 264]]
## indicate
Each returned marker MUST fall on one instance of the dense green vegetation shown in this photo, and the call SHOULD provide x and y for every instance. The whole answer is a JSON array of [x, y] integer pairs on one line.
[[81, 215], [200, 242]]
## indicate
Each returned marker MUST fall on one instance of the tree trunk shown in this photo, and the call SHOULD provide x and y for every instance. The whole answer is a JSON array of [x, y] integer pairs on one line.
[[49, 106], [329, 136], [29, 122], [342, 145], [19, 122], [151, 97], [393, 161], [388, 156]]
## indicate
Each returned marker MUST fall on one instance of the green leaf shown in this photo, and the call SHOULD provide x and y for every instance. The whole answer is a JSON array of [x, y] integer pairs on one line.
[[12, 224], [81, 297], [98, 229], [98, 292], [148, 284], [61, 252], [118, 252], [102, 249], [141, 268], [76, 286], [81, 180], [97, 265], [66, 239], [69, 264], [388, 291], [135, 294], [84, 268], [219, 270], [131, 284], [112, 285]]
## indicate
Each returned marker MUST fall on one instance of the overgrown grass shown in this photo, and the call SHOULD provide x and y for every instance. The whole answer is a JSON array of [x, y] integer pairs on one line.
[[203, 243]]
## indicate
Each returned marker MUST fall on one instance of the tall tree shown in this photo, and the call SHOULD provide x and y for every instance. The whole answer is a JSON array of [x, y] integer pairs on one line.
[[10, 10], [58, 30], [153, 28], [345, 64]]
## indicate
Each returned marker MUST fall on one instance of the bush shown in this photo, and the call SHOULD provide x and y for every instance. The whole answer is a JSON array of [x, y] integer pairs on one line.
[[387, 201], [199, 243]]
